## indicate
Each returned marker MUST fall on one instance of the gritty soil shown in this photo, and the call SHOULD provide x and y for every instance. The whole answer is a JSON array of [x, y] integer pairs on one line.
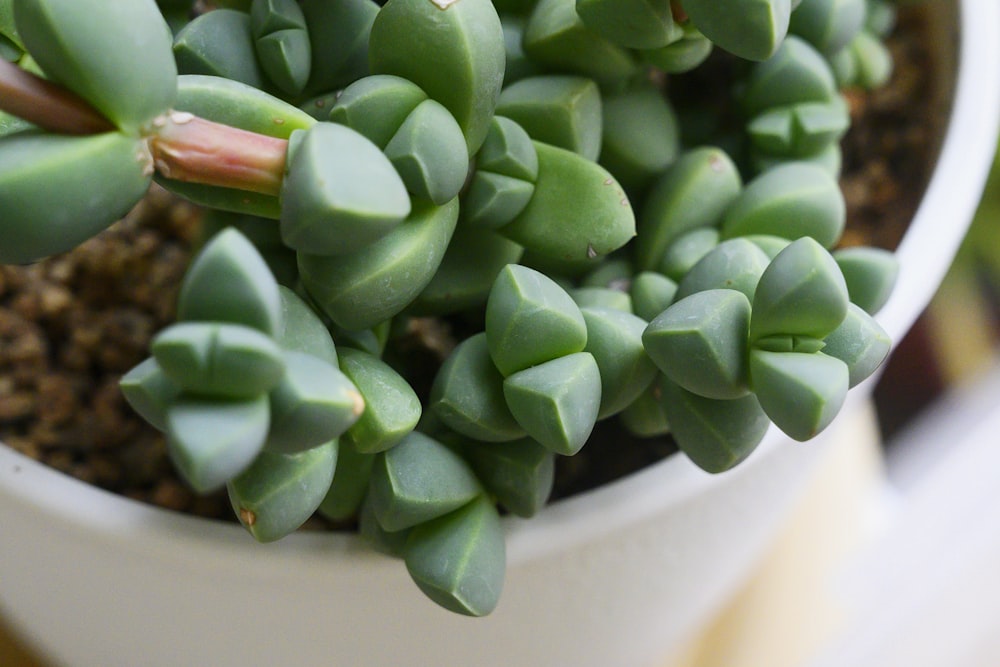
[[72, 325]]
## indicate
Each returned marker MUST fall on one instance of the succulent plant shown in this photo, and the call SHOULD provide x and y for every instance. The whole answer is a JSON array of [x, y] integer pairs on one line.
[[514, 168]]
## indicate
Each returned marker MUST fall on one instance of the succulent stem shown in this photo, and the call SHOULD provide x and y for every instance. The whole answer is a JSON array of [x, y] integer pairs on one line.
[[47, 105], [188, 148]]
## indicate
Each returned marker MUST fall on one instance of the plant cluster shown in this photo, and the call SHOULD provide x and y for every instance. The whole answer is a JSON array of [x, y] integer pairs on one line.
[[515, 168]]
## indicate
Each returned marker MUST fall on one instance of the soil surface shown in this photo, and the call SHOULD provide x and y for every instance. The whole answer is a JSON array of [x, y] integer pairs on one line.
[[72, 325]]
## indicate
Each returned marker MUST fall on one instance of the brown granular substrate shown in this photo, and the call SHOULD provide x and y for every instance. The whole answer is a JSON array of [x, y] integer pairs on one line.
[[72, 325]]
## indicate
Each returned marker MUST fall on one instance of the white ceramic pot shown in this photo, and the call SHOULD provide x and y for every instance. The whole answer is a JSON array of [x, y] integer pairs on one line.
[[622, 575]]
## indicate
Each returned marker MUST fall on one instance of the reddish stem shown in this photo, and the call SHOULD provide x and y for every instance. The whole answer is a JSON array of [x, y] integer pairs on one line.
[[195, 150], [47, 105]]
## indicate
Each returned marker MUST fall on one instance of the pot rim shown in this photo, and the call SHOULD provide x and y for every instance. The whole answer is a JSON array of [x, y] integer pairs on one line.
[[952, 193]]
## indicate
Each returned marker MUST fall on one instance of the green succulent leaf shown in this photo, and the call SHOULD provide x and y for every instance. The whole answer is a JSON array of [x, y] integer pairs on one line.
[[860, 343], [210, 441], [131, 83], [870, 274], [303, 330], [790, 201], [229, 282], [700, 343], [531, 319], [365, 288], [640, 135], [493, 200], [801, 130], [645, 417], [418, 480], [802, 292], [349, 485], [453, 50], [239, 105], [459, 560], [278, 492], [686, 250], [556, 38], [219, 360], [390, 543], [873, 61], [634, 24], [519, 474], [796, 73], [392, 408], [560, 110], [614, 338], [693, 192], [149, 392], [829, 25], [282, 43], [751, 29], [801, 393], [56, 191], [338, 34], [683, 55], [428, 152], [736, 264], [714, 434], [340, 192], [314, 403], [376, 106], [472, 262], [508, 151], [602, 297], [578, 212], [557, 402], [467, 394], [220, 43], [651, 293]]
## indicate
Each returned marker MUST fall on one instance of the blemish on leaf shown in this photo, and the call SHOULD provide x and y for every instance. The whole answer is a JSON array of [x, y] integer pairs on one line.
[[248, 517], [609, 181], [591, 253], [181, 117], [279, 121], [444, 4], [358, 403]]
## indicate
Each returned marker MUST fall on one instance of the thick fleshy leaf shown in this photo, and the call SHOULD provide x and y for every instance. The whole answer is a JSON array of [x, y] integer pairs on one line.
[[872, 60], [219, 43], [229, 282], [870, 274], [453, 50], [735, 264], [472, 262], [150, 392], [130, 83], [651, 293], [519, 474], [303, 330], [365, 288], [57, 191], [640, 135], [796, 73], [751, 29], [802, 292], [801, 393], [602, 297], [578, 212], [219, 360], [376, 106], [390, 543], [531, 319], [508, 151], [829, 25], [563, 111], [467, 394], [350, 484], [790, 201], [700, 343], [693, 192], [340, 192], [686, 250], [314, 403], [801, 130], [557, 402], [645, 417], [392, 408], [418, 480], [557, 38], [278, 492], [614, 338], [860, 343], [635, 24], [282, 42], [428, 153], [338, 33], [210, 441], [715, 435], [459, 560], [683, 55]]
